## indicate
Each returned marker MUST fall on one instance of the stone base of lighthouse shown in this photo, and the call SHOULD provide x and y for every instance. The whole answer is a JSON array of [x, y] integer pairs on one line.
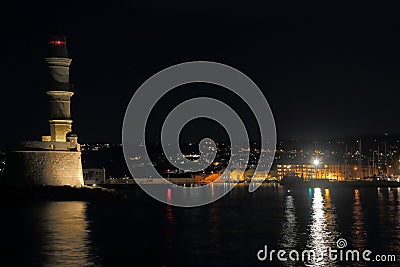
[[53, 168]]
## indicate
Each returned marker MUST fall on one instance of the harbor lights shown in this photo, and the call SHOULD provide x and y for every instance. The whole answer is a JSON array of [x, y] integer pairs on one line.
[[316, 162], [325, 167]]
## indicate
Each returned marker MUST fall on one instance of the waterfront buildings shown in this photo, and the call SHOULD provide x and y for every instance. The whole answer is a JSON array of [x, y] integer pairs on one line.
[[330, 171], [94, 176]]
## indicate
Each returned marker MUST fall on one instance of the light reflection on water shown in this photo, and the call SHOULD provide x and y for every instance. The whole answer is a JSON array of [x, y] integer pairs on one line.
[[358, 228], [388, 224], [229, 231], [322, 227], [289, 227], [66, 234], [359, 234]]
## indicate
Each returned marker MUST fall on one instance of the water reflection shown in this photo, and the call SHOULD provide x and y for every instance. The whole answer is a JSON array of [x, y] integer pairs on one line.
[[289, 227], [358, 233], [145, 232], [389, 219], [175, 194], [331, 216], [66, 234], [170, 235], [322, 227]]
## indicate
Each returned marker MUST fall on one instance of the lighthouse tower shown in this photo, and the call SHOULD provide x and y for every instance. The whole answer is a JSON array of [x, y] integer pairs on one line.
[[59, 89], [56, 159]]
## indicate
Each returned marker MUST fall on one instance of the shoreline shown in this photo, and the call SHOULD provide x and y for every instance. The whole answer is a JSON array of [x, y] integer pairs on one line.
[[123, 192], [58, 193], [333, 184]]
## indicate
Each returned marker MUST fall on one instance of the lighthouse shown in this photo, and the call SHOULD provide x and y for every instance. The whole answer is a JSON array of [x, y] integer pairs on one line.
[[59, 89], [55, 160]]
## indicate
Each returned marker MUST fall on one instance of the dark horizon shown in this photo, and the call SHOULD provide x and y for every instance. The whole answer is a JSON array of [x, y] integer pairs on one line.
[[325, 73]]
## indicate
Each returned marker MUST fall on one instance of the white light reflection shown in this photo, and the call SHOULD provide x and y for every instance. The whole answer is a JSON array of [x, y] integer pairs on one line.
[[289, 227], [322, 228]]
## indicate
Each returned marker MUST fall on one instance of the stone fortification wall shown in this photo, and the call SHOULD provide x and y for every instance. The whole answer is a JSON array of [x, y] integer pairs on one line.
[[56, 168]]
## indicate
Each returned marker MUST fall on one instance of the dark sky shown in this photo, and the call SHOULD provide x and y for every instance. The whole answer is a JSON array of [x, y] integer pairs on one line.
[[325, 70]]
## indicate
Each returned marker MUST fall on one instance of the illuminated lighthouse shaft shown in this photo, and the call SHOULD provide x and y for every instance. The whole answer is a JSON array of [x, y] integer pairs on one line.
[[59, 92]]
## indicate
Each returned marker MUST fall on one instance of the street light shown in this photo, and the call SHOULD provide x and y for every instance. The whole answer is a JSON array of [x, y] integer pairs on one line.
[[316, 163]]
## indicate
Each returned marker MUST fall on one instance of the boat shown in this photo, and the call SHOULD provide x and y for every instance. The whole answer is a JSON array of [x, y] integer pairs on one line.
[[292, 181]]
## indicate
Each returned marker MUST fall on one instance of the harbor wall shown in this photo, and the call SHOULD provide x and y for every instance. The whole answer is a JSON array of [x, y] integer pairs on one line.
[[55, 168]]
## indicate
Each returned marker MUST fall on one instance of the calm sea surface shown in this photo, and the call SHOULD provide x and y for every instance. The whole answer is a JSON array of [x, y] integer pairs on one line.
[[229, 232]]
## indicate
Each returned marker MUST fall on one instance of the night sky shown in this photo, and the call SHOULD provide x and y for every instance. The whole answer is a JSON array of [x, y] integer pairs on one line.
[[325, 70]]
